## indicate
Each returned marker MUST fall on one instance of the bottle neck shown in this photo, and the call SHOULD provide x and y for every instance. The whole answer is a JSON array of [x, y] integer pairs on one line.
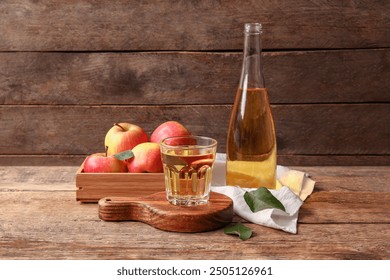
[[252, 71]]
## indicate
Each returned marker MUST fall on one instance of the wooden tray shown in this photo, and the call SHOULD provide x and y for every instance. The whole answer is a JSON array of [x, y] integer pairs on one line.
[[93, 186]]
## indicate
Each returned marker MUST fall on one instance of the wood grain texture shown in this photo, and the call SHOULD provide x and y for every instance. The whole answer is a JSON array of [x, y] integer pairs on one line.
[[156, 211], [189, 25], [301, 129], [51, 220], [41, 160], [363, 208], [93, 186], [338, 179], [136, 241], [161, 78], [309, 160], [150, 58], [287, 160], [349, 178]]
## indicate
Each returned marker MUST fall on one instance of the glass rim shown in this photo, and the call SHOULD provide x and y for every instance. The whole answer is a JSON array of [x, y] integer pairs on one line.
[[186, 146]]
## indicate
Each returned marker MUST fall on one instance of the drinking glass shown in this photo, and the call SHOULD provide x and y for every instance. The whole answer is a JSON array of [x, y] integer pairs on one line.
[[188, 163]]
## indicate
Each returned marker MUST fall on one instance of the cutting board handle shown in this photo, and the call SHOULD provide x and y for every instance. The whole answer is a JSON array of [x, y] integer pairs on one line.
[[122, 209]]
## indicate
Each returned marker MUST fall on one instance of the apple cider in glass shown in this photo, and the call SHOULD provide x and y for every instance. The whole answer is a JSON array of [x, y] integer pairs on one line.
[[188, 163]]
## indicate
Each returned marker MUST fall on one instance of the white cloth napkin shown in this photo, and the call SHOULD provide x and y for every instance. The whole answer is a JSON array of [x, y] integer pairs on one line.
[[293, 187]]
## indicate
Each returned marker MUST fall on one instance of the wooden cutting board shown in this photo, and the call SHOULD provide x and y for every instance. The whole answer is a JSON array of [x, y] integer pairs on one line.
[[156, 211]]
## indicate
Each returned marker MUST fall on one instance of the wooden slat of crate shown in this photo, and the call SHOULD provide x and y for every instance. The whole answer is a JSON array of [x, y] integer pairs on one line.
[[93, 186]]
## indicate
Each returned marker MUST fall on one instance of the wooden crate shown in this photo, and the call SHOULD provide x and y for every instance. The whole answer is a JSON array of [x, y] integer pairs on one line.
[[93, 186]]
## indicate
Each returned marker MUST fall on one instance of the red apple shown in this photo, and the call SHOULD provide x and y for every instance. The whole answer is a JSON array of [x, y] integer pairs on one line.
[[168, 129], [147, 158], [124, 136], [100, 163]]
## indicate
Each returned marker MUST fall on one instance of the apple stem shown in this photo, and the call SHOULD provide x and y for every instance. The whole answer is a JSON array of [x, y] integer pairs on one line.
[[106, 150], [117, 124]]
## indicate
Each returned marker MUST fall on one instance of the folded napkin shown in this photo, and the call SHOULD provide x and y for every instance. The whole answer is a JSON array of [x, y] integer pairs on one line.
[[293, 187]]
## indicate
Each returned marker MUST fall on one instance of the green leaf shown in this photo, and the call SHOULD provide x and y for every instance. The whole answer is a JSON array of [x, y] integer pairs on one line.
[[261, 199], [239, 229], [124, 155]]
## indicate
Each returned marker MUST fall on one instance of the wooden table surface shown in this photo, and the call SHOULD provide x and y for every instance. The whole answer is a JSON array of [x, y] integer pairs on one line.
[[346, 217]]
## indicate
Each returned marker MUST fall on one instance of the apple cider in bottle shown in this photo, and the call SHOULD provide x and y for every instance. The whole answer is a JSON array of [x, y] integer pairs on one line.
[[251, 140]]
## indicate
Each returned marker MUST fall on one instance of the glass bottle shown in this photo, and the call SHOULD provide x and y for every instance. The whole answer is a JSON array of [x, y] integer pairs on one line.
[[251, 141]]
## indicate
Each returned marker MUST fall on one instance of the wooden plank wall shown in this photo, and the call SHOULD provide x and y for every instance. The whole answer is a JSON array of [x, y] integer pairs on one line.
[[69, 69]]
